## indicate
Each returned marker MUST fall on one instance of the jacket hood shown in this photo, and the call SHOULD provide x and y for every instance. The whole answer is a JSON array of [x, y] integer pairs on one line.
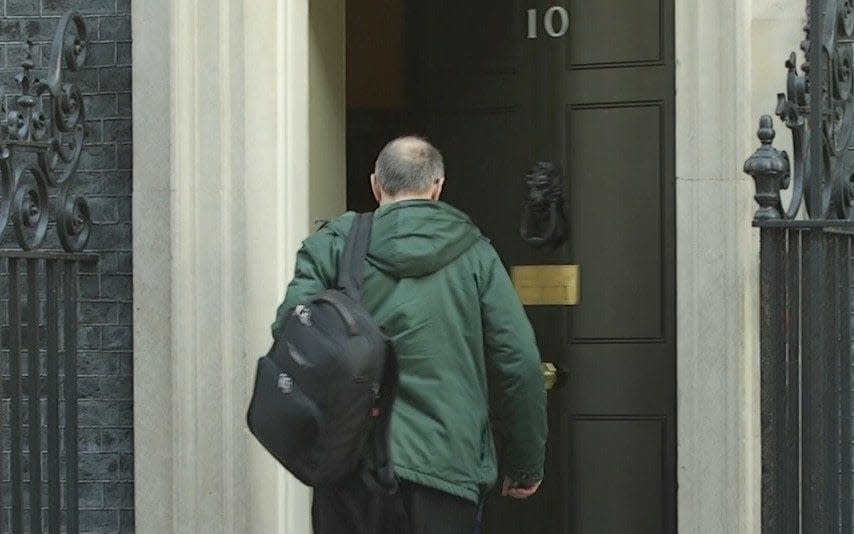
[[415, 238]]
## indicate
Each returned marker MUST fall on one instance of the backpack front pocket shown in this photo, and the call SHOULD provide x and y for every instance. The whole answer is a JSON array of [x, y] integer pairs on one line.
[[282, 417]]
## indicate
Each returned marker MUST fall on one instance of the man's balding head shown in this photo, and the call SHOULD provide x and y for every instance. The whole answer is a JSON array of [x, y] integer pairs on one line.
[[409, 166]]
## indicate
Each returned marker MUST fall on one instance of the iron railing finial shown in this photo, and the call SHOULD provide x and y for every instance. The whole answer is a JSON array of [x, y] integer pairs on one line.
[[769, 168]]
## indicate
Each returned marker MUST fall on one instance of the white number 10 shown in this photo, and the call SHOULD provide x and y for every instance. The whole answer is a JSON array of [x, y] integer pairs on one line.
[[549, 22]]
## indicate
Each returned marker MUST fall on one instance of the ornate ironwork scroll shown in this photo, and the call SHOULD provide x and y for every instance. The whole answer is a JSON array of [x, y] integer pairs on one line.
[[805, 257], [41, 144], [828, 191], [543, 219]]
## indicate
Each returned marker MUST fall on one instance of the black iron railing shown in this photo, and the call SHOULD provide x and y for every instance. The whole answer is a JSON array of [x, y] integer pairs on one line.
[[41, 389], [41, 141], [805, 272], [805, 378]]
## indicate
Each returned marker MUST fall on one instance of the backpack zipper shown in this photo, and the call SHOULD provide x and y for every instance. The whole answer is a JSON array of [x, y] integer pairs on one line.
[[303, 313]]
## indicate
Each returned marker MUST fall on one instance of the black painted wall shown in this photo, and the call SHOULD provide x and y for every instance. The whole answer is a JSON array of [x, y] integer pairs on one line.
[[106, 309]]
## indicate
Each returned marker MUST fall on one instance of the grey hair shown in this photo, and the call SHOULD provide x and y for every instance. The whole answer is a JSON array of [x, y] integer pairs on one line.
[[408, 165]]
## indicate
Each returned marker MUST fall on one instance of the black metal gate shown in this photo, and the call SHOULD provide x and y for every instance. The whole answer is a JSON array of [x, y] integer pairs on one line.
[[40, 334], [806, 292], [805, 378], [40, 147]]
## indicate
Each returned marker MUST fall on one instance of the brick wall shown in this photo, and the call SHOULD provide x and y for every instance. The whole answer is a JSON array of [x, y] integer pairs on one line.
[[106, 309]]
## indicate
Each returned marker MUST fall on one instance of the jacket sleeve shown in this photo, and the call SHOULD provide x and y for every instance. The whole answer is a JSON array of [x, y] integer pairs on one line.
[[316, 270], [516, 380]]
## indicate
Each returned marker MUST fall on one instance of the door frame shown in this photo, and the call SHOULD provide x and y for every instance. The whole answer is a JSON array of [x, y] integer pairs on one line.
[[266, 75], [716, 272], [224, 192]]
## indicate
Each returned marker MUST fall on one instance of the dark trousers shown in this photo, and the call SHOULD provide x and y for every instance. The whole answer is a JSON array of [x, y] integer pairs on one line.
[[353, 508]]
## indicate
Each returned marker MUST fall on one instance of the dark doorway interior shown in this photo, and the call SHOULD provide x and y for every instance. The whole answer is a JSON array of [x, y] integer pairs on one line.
[[377, 99], [598, 101]]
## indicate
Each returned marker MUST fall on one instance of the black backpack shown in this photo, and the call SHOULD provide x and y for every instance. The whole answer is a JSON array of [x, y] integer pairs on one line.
[[329, 382]]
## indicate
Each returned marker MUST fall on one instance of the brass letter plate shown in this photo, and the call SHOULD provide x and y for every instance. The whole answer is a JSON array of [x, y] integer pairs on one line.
[[547, 285]]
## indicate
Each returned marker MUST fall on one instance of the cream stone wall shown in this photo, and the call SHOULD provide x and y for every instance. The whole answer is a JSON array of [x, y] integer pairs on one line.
[[239, 148], [729, 68], [224, 194], [152, 227], [328, 105], [716, 309]]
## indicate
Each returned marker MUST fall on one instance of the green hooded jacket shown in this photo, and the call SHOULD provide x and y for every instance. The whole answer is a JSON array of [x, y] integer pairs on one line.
[[437, 286]]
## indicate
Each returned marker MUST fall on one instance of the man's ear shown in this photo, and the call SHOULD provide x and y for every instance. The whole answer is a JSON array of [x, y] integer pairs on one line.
[[437, 188], [375, 188]]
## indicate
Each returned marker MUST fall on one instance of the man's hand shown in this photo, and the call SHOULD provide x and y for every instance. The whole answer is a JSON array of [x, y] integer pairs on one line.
[[518, 491]]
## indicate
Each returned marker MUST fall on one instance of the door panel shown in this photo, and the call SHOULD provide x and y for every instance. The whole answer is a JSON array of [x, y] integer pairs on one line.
[[598, 102], [633, 30], [620, 463], [621, 197], [618, 144]]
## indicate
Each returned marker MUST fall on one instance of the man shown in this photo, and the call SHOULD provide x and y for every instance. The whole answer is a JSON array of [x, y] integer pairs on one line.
[[439, 290]]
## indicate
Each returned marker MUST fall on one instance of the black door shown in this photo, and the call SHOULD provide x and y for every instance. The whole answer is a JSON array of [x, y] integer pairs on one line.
[[588, 85]]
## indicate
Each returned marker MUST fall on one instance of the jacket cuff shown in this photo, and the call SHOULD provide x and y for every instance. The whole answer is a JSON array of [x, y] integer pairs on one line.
[[525, 477]]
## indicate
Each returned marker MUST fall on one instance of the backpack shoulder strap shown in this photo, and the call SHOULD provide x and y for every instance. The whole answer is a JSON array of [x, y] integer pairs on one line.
[[351, 264], [351, 273]]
